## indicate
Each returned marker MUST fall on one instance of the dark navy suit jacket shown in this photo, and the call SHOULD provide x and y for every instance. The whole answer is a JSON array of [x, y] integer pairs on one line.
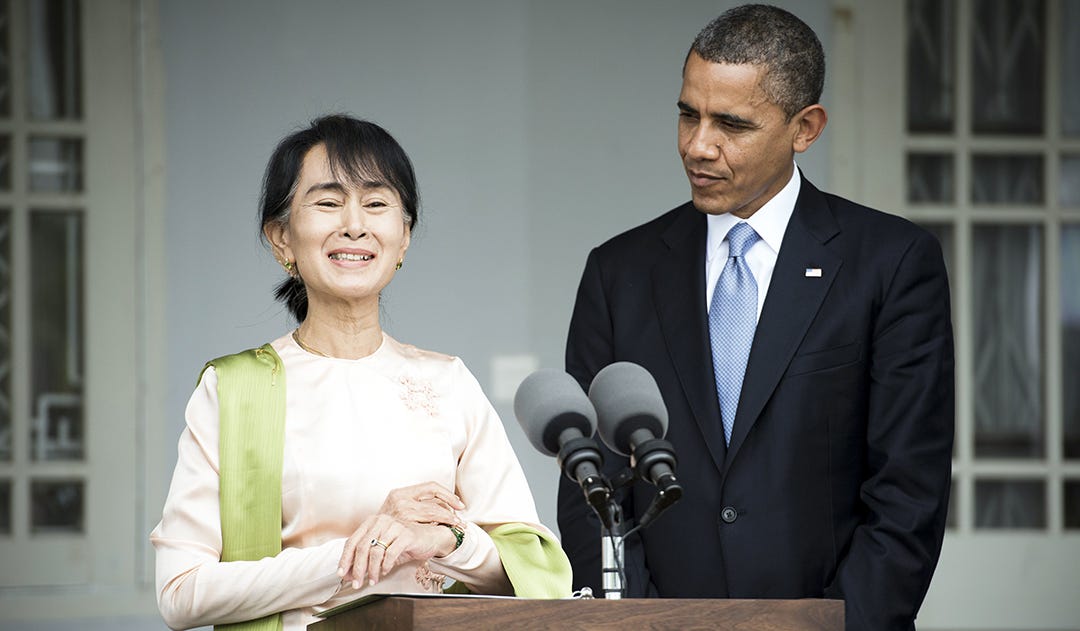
[[838, 472]]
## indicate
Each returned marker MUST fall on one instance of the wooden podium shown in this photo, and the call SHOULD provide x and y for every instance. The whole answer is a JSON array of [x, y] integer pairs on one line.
[[403, 613]]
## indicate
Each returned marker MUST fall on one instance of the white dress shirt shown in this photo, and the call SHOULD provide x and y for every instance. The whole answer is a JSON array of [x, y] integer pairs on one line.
[[770, 222]]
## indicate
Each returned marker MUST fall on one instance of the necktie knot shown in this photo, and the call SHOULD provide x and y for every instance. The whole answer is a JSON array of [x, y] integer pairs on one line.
[[740, 238]]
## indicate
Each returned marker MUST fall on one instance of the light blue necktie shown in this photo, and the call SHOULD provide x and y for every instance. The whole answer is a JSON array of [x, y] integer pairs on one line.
[[732, 321]]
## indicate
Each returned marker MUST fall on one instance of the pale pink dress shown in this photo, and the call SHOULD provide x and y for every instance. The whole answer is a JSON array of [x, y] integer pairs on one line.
[[355, 429]]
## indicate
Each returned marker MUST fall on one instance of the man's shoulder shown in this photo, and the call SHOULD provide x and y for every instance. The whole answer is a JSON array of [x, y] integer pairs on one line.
[[865, 222], [852, 211], [649, 233]]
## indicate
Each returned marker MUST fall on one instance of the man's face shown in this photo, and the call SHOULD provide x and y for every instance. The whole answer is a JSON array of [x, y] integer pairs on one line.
[[736, 145]]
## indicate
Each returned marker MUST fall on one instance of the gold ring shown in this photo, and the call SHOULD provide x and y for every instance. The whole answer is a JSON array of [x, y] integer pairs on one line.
[[376, 542]]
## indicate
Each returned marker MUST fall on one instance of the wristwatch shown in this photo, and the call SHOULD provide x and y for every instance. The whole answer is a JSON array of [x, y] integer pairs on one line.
[[459, 534]]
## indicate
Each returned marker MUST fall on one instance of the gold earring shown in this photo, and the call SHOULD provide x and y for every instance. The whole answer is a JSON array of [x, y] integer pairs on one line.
[[400, 261]]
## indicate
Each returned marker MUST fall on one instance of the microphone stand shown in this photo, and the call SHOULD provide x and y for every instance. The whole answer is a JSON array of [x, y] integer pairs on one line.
[[611, 555], [613, 530], [612, 534]]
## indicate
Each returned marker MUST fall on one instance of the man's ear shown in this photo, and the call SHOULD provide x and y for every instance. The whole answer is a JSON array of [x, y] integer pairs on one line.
[[809, 123]]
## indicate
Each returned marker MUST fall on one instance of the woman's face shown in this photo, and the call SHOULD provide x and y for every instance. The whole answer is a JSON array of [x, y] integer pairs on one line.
[[345, 240]]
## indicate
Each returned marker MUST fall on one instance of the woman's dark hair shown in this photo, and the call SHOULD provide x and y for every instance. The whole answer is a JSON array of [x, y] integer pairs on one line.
[[360, 153]]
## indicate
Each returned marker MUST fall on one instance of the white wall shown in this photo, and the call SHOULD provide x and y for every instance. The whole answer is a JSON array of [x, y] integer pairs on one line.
[[538, 130]]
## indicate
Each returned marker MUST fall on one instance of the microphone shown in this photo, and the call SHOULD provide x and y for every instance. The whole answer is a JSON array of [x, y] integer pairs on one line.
[[559, 420], [632, 422]]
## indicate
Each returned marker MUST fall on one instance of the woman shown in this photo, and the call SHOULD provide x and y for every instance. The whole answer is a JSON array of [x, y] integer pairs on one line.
[[396, 472]]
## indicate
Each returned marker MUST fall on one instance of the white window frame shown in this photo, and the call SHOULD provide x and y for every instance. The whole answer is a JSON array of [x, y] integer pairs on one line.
[[107, 571]]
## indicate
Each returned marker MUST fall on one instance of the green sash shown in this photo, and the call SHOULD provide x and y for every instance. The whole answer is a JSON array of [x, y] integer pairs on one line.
[[534, 562], [251, 401]]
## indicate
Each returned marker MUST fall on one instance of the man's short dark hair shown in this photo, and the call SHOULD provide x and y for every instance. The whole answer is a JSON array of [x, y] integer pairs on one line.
[[768, 36]]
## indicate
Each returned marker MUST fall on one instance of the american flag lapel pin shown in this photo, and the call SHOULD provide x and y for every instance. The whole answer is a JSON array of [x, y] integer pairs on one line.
[[813, 272]]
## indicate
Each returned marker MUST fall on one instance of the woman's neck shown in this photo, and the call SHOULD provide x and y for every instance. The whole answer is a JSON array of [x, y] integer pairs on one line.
[[345, 334]]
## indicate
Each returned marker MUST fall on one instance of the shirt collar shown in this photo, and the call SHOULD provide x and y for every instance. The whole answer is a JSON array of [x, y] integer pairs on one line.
[[770, 221]]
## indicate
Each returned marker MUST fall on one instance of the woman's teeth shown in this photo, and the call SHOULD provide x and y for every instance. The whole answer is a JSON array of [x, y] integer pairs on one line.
[[342, 256]]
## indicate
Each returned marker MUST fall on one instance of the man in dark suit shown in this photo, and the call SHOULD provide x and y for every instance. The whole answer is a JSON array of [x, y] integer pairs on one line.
[[811, 406]]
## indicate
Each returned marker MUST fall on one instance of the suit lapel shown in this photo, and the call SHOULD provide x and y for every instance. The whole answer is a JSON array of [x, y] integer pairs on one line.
[[679, 292], [793, 300]]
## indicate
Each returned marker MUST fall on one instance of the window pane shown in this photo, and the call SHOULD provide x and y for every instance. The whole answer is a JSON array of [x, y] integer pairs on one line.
[[931, 65], [1010, 504], [1008, 297], [5, 507], [1007, 179], [1070, 68], [54, 74], [56, 165], [5, 59], [930, 178], [1072, 504], [5, 336], [1008, 60], [1070, 337], [56, 303], [1070, 181], [56, 506]]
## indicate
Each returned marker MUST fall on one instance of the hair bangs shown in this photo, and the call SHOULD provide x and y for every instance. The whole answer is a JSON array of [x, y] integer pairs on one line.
[[366, 155]]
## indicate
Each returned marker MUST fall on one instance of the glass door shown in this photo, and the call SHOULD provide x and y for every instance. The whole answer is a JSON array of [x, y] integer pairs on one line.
[[68, 224]]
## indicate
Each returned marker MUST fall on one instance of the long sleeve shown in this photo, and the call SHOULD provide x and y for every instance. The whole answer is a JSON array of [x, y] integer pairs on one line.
[[493, 486], [354, 431], [193, 587], [886, 571]]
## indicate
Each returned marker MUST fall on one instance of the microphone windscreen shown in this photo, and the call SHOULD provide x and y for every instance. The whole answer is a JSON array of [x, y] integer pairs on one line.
[[547, 403], [627, 399]]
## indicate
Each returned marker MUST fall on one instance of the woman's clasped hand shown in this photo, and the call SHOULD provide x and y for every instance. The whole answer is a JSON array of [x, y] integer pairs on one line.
[[411, 525]]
